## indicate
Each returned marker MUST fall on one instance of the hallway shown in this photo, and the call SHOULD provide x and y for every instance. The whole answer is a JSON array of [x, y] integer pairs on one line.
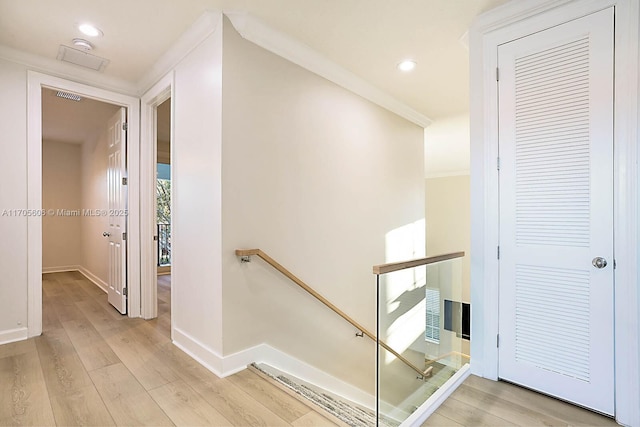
[[93, 366]]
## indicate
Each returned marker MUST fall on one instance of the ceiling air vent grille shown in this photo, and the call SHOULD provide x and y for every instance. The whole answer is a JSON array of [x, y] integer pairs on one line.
[[67, 95], [81, 58]]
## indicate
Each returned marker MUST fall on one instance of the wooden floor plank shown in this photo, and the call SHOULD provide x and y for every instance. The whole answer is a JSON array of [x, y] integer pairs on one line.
[[51, 287], [24, 399], [469, 415], [141, 355], [312, 419], [127, 401], [64, 308], [437, 420], [270, 396], [80, 407], [187, 368], [62, 368], [74, 399], [91, 347], [186, 407], [236, 405], [76, 290], [50, 319], [512, 412], [538, 402], [18, 347], [101, 315], [92, 289]]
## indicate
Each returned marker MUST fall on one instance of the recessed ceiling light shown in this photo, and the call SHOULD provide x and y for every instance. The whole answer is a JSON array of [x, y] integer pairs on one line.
[[90, 30], [407, 65], [82, 44]]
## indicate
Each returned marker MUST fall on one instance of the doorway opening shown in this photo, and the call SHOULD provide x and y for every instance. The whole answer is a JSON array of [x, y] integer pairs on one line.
[[163, 213], [83, 199]]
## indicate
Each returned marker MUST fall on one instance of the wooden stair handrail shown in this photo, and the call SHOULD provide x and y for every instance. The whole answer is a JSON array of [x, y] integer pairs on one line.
[[395, 266], [326, 302]]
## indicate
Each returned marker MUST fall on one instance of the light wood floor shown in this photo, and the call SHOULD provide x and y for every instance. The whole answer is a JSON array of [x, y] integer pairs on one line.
[[481, 402], [93, 366]]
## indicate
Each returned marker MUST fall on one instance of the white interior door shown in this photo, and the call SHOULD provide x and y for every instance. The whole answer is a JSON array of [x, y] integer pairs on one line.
[[556, 211], [117, 203]]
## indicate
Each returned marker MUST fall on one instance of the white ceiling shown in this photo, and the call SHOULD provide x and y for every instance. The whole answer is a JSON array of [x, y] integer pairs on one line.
[[367, 37], [73, 122]]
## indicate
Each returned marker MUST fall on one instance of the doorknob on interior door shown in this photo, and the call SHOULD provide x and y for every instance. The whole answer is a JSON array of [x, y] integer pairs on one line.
[[106, 234], [599, 262]]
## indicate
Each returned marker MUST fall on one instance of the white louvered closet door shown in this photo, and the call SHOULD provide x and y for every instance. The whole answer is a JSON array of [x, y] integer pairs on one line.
[[556, 211]]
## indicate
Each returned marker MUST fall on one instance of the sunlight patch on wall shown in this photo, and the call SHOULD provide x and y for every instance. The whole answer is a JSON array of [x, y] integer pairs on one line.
[[402, 292]]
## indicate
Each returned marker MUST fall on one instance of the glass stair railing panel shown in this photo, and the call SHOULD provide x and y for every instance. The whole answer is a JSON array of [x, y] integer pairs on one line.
[[423, 319]]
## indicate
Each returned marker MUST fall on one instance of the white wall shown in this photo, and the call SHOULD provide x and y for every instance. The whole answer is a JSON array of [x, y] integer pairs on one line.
[[95, 248], [321, 180], [61, 193], [448, 225], [448, 206], [13, 195], [196, 200], [448, 220], [447, 147]]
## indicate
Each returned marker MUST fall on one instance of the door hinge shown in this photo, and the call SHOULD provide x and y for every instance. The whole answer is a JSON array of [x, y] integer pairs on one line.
[[497, 74], [124, 236], [125, 127], [498, 341], [155, 238], [498, 252], [614, 264], [498, 163], [125, 291], [124, 180]]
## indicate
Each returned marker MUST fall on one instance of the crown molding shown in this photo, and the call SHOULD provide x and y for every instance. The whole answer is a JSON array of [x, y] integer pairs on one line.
[[202, 28], [67, 71], [257, 32], [511, 12], [251, 29]]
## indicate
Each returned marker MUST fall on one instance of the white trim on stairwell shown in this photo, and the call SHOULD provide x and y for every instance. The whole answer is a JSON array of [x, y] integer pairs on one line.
[[224, 366], [425, 410]]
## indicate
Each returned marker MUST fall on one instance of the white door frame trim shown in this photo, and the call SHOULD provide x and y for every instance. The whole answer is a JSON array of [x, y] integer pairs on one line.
[[155, 96], [513, 20], [35, 82]]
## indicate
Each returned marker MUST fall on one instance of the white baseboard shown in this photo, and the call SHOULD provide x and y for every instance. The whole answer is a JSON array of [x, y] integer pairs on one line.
[[13, 335], [94, 279], [61, 269], [286, 363], [86, 273], [224, 366], [206, 356], [425, 410]]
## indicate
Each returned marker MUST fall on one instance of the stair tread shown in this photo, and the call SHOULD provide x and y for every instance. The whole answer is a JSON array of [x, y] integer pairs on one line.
[[348, 413]]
